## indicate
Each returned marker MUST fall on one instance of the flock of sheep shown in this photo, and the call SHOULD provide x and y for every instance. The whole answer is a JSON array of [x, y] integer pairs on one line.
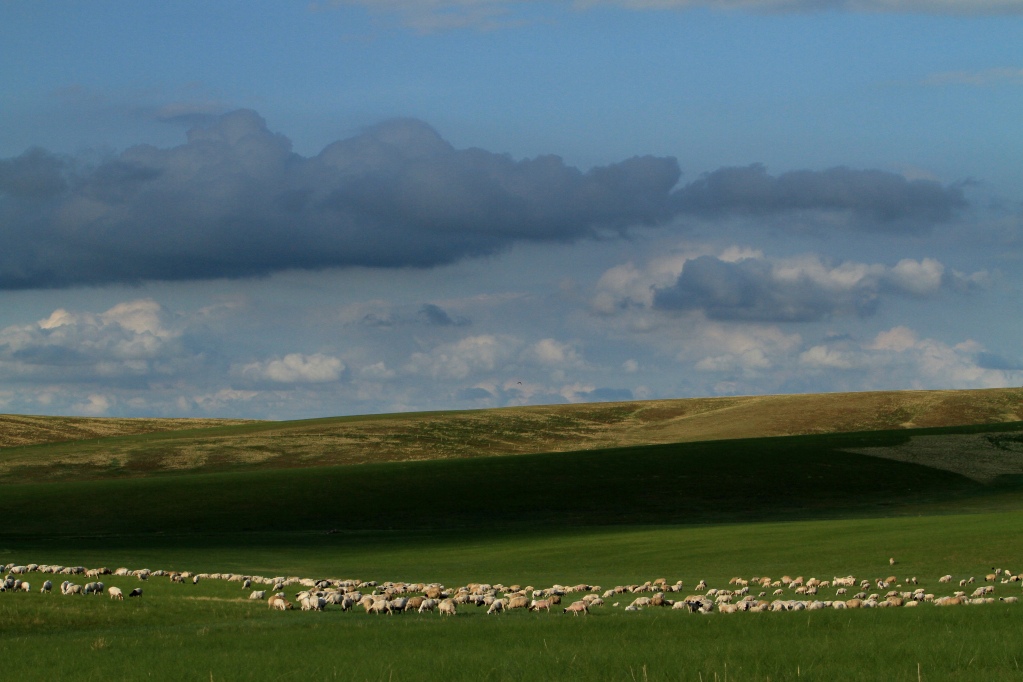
[[755, 594]]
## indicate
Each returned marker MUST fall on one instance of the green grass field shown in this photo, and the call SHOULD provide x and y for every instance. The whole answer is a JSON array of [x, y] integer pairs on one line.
[[798, 505]]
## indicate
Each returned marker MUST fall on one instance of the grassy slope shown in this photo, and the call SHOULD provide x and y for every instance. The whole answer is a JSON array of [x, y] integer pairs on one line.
[[754, 479], [760, 479], [20, 430], [553, 428]]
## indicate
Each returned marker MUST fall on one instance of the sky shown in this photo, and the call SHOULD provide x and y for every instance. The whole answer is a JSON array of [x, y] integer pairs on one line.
[[280, 210]]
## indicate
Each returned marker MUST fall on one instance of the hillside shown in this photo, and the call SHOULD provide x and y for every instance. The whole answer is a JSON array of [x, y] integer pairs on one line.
[[793, 477], [206, 446], [18, 430]]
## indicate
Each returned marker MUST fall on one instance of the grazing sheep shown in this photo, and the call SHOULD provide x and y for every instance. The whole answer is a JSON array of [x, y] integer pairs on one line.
[[577, 607], [115, 593], [258, 594], [546, 604], [518, 603], [428, 605], [496, 607], [447, 608], [47, 586], [137, 592]]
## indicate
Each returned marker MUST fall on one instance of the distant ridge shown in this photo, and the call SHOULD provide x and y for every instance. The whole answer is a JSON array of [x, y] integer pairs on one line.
[[42, 447]]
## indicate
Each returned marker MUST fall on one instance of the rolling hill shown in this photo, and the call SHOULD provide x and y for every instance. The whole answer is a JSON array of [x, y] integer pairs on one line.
[[55, 448]]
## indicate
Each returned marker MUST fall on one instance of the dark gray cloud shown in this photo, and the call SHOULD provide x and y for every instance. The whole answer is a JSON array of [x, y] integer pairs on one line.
[[235, 201], [880, 199], [747, 290], [797, 290], [34, 175]]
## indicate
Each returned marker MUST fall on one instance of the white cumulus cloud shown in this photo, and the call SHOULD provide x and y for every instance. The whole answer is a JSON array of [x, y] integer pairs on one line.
[[295, 368]]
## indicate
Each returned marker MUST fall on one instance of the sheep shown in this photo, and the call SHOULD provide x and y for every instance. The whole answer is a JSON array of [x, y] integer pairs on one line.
[[115, 593], [518, 603], [497, 606], [137, 592], [47, 586], [379, 606], [313, 603], [577, 607], [546, 604], [447, 608], [428, 605]]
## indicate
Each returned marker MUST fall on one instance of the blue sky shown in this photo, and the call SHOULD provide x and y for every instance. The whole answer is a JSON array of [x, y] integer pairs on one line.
[[290, 209]]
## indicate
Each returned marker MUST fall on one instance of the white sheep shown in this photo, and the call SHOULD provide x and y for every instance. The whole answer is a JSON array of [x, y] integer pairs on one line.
[[115, 593]]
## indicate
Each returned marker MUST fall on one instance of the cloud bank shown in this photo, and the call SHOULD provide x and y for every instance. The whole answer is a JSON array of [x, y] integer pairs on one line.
[[743, 285], [236, 201], [877, 198]]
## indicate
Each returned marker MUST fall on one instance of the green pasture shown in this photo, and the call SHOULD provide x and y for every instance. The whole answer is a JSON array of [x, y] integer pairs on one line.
[[192, 632], [797, 505]]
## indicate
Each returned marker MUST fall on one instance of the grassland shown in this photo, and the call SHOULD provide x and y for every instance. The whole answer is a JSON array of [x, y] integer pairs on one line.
[[834, 497], [192, 632], [509, 431]]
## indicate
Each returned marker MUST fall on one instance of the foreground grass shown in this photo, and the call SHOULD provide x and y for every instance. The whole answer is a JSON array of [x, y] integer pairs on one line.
[[176, 639], [193, 632]]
